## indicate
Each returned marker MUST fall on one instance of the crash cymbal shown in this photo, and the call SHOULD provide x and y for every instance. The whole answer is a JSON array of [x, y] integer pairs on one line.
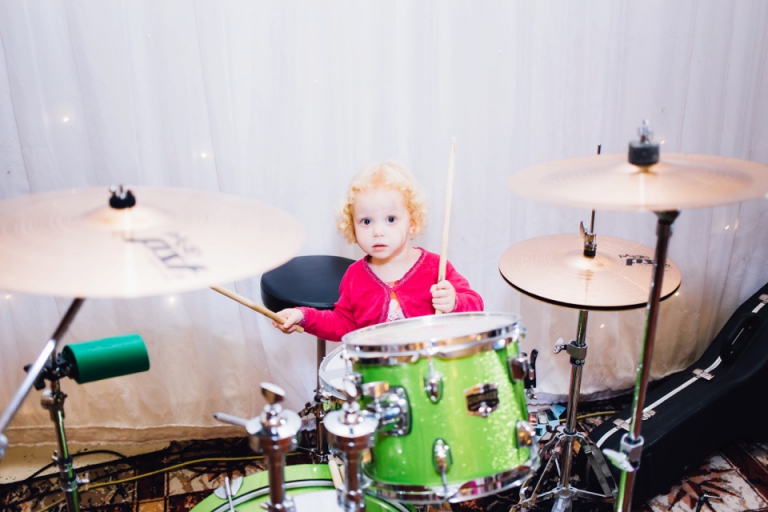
[[554, 269], [679, 181], [72, 243]]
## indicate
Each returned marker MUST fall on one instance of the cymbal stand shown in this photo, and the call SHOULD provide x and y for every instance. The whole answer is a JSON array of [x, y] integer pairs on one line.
[[274, 434], [315, 412], [562, 442], [628, 458], [321, 444], [350, 432], [53, 400]]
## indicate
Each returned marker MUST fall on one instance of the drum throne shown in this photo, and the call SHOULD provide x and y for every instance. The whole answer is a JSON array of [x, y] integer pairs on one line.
[[310, 281]]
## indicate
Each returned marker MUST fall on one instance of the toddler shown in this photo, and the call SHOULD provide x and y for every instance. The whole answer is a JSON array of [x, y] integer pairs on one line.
[[383, 211]]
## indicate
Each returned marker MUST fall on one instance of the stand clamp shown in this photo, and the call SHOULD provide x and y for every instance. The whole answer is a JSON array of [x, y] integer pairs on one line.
[[628, 458], [274, 434], [578, 353], [351, 431]]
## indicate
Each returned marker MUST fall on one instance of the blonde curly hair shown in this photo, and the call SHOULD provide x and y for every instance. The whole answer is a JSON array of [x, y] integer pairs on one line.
[[388, 176]]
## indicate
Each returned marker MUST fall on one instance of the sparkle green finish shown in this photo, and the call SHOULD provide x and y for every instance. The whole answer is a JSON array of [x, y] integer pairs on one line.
[[479, 446], [258, 484]]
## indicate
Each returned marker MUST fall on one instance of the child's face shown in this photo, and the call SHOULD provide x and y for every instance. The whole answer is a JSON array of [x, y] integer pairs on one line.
[[382, 223]]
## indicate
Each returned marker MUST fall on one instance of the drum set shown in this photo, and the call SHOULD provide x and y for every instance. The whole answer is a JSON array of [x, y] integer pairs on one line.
[[423, 411]]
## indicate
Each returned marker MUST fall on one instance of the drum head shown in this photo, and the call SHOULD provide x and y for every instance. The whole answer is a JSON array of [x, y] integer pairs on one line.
[[309, 485], [434, 334], [326, 501], [332, 372]]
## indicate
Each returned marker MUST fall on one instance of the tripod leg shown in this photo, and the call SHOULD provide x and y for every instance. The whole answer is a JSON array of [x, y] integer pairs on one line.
[[550, 448], [600, 468]]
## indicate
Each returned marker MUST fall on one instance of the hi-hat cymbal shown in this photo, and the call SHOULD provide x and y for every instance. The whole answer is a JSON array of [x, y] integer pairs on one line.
[[554, 269], [679, 181], [71, 243]]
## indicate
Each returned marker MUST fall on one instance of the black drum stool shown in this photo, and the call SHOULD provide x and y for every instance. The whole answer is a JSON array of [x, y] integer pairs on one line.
[[311, 281]]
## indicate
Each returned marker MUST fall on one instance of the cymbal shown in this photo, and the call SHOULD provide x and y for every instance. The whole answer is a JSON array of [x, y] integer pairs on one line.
[[679, 181], [554, 269], [72, 243]]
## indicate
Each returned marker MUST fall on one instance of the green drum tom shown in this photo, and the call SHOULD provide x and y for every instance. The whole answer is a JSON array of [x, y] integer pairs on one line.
[[453, 422], [309, 485]]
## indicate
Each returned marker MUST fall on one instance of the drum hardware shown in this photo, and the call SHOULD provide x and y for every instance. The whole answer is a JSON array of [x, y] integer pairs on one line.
[[631, 446], [573, 255], [274, 434], [561, 445], [53, 400], [442, 460], [416, 468], [228, 490], [350, 432], [33, 373], [433, 383], [390, 406], [523, 368], [642, 180], [82, 367]]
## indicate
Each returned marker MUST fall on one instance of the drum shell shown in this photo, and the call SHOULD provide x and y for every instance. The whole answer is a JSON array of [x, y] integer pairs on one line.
[[480, 446]]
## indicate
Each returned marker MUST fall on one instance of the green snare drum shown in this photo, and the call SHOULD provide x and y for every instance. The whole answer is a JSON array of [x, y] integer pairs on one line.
[[453, 421], [310, 485]]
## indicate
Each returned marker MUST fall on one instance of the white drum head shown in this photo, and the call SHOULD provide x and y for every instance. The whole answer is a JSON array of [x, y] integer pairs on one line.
[[421, 334], [332, 372]]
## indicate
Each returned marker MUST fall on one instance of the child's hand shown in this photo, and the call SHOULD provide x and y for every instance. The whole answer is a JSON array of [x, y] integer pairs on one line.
[[443, 296], [292, 318]]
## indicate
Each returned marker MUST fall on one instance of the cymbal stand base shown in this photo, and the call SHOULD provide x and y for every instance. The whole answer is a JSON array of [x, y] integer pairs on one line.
[[562, 444], [565, 494]]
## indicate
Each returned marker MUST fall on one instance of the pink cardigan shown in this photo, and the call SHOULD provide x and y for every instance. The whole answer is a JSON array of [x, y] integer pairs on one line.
[[364, 298]]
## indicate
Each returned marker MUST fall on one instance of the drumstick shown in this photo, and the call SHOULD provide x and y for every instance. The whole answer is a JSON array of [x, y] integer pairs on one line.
[[250, 304], [446, 216], [338, 482]]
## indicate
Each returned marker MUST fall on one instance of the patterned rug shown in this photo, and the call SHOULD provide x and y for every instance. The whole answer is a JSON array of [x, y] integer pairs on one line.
[[181, 476]]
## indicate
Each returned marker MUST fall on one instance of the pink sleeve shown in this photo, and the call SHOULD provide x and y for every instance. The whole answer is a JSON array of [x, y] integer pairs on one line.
[[332, 324], [466, 298]]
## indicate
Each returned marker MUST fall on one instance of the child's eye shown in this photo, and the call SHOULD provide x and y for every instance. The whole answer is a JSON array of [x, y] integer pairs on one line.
[[391, 219], [365, 222]]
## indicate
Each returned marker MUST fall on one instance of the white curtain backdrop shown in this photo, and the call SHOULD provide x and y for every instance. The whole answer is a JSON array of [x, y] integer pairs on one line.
[[283, 102]]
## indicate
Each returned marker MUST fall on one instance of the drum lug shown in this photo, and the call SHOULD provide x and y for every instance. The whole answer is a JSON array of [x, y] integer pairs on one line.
[[433, 386], [525, 434], [518, 368], [391, 407]]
